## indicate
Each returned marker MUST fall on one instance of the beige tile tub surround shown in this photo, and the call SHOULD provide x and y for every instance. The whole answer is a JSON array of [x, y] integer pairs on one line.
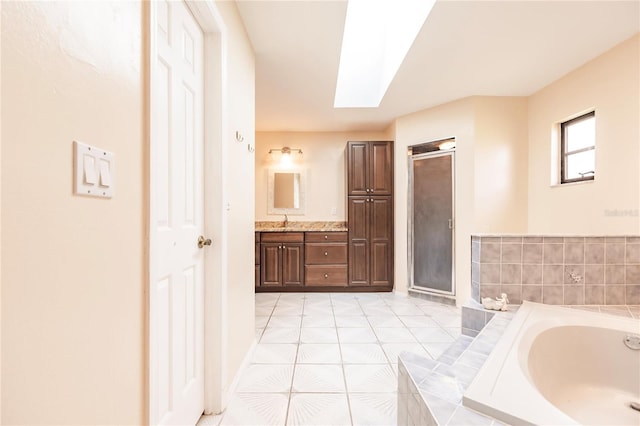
[[557, 270]]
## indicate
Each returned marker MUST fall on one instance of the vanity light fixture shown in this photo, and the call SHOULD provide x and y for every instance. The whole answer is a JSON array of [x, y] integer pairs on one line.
[[447, 145], [285, 153]]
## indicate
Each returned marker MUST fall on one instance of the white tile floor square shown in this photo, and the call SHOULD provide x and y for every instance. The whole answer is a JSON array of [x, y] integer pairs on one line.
[[331, 358]]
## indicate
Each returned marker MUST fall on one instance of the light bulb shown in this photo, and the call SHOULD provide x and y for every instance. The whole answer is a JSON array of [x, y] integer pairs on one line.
[[286, 162]]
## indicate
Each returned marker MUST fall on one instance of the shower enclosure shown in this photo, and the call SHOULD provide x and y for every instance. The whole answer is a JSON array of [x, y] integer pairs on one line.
[[431, 220]]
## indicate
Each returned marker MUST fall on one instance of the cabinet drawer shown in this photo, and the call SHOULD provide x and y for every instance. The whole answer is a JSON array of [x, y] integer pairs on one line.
[[282, 237], [325, 237], [325, 254], [335, 275]]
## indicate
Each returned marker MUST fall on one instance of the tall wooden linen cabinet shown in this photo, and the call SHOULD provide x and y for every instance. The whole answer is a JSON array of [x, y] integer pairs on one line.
[[370, 214]]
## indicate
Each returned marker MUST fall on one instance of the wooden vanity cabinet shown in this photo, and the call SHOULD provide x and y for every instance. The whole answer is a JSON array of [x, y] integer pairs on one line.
[[257, 259], [297, 261], [370, 214], [369, 168], [281, 259], [326, 259], [370, 241]]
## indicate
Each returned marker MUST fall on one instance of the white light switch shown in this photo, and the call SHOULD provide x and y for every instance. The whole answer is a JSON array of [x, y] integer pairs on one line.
[[105, 174], [89, 169], [94, 171]]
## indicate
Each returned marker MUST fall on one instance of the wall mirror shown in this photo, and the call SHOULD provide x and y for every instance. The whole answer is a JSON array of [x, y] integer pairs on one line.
[[286, 192]]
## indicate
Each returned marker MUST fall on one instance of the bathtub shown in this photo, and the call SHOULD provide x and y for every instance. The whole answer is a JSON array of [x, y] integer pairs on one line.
[[560, 366]]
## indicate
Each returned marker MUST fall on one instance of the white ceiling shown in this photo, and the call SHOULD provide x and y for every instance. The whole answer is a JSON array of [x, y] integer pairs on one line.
[[465, 48]]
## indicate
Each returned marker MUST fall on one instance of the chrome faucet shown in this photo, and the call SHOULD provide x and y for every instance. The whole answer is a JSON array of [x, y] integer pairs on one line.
[[286, 221]]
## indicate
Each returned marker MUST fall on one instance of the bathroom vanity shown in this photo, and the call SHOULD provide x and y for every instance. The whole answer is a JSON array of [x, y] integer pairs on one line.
[[356, 255], [301, 256]]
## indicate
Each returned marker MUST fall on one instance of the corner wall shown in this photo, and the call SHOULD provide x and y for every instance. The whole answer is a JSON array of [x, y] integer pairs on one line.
[[238, 198], [500, 158], [609, 205], [490, 175], [73, 268]]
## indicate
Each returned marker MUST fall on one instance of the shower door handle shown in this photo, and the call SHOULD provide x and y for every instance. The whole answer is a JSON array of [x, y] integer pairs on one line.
[[450, 223]]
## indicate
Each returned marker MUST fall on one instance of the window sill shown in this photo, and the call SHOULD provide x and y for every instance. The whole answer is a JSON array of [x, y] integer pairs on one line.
[[582, 182]]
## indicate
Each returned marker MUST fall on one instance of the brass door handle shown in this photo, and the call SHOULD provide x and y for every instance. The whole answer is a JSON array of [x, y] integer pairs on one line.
[[203, 242]]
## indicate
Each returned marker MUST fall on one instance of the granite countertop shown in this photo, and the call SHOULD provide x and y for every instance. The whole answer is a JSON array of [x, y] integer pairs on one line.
[[301, 226]]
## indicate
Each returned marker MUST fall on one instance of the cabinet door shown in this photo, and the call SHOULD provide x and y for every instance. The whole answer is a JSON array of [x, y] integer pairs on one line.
[[359, 240], [381, 240], [380, 168], [292, 264], [257, 259], [270, 264], [357, 175]]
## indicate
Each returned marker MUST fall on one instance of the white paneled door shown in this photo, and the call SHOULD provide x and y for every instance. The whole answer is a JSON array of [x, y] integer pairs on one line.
[[176, 377]]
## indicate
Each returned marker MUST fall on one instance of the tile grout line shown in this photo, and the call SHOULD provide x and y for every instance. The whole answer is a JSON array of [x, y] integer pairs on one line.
[[295, 363], [344, 373]]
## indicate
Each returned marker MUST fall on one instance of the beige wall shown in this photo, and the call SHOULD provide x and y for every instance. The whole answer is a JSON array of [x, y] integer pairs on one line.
[[454, 119], [610, 84], [500, 159], [324, 163], [239, 187], [73, 294]]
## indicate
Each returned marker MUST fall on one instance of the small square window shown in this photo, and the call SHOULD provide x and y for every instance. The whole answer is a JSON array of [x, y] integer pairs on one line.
[[578, 149]]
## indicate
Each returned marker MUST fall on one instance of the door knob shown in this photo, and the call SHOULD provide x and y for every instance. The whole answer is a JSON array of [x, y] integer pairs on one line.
[[203, 242]]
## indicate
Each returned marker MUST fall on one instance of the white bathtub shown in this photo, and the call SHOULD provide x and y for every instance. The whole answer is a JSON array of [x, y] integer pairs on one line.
[[560, 366]]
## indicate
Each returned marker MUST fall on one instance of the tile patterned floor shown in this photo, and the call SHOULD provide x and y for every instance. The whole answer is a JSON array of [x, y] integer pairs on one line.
[[331, 358]]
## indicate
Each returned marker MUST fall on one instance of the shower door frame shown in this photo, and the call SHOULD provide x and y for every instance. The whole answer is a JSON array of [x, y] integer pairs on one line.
[[411, 159]]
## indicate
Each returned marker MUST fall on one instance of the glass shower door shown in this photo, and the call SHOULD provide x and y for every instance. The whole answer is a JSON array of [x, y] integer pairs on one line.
[[431, 227]]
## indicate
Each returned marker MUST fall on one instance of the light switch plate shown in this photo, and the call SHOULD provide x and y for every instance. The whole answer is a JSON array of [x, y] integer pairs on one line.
[[94, 171]]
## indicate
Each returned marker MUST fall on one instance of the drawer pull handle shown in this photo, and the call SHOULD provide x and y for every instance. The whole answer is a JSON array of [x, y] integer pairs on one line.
[[326, 254], [284, 247], [326, 237], [326, 275]]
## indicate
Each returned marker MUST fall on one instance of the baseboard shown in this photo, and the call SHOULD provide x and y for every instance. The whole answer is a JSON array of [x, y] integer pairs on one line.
[[403, 293]]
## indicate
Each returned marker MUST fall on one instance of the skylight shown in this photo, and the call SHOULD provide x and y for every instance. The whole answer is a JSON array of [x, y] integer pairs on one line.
[[377, 37]]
